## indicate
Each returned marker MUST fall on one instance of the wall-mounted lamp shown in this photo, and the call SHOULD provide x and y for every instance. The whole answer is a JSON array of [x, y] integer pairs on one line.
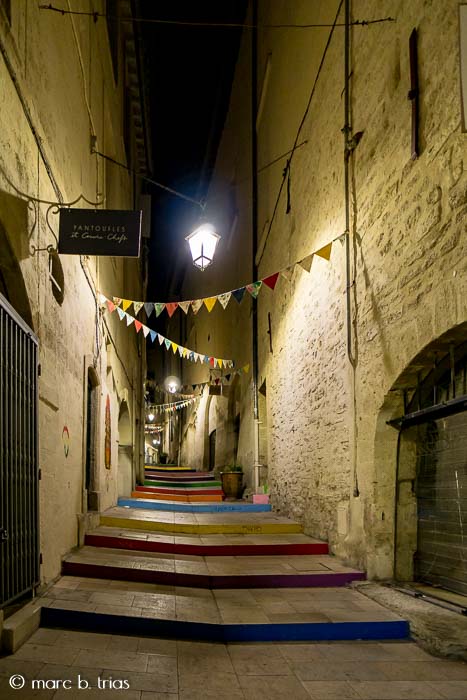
[[151, 416], [203, 242]]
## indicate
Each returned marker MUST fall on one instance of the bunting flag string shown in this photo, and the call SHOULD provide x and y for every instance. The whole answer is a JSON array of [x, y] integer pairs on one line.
[[174, 406], [224, 380], [224, 298], [186, 353]]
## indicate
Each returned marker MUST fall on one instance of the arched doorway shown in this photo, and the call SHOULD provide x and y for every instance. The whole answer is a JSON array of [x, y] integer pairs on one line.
[[431, 472], [125, 451], [91, 480]]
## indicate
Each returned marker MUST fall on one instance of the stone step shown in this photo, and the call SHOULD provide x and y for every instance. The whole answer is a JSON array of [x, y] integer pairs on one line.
[[180, 490], [211, 572], [249, 615], [164, 483], [173, 506], [192, 476], [185, 497], [211, 545], [168, 468], [202, 524]]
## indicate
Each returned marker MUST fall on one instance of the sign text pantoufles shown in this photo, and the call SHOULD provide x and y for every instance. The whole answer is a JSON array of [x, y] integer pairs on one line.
[[100, 232]]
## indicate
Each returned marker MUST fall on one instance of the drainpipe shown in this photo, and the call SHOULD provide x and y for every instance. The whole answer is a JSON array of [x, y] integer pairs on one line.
[[347, 130], [254, 237]]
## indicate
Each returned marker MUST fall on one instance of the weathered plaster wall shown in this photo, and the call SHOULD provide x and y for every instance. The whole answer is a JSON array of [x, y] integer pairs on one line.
[[63, 99]]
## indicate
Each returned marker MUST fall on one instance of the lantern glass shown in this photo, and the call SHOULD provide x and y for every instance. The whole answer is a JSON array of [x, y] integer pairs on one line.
[[203, 242]]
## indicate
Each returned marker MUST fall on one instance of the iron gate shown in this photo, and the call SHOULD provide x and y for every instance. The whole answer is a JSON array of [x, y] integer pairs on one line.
[[19, 528]]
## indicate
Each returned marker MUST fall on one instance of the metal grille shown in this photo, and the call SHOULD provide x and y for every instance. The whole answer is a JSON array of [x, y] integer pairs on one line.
[[19, 547], [441, 489]]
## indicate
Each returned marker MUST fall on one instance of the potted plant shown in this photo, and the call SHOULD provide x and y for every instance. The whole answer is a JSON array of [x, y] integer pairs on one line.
[[232, 481]]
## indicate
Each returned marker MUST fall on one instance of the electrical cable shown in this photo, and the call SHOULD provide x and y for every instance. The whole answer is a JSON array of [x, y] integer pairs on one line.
[[305, 114], [222, 25]]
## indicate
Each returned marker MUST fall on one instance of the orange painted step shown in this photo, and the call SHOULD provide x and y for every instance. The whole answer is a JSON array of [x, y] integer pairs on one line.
[[185, 498]]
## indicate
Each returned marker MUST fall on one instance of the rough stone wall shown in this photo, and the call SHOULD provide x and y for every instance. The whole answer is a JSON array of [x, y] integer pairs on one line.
[[332, 458], [44, 59]]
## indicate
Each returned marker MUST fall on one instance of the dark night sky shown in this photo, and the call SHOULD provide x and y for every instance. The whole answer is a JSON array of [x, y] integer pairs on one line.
[[190, 76]]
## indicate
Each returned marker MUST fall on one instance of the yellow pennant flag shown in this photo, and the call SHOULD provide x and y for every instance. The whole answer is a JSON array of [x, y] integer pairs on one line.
[[219, 363], [174, 347], [246, 369], [126, 303], [325, 252], [209, 303]]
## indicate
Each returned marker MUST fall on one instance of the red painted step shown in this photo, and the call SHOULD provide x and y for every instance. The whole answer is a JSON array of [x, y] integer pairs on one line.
[[208, 550], [191, 492]]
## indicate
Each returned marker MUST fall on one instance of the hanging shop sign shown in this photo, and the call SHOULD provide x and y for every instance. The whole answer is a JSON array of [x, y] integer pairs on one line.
[[100, 232]]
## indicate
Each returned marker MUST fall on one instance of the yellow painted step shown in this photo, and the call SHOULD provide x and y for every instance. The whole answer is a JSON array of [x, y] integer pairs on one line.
[[202, 528]]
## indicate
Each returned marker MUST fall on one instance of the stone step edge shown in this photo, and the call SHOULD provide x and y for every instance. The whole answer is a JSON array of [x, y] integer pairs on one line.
[[222, 632], [171, 578], [207, 550], [201, 528], [165, 483], [180, 490]]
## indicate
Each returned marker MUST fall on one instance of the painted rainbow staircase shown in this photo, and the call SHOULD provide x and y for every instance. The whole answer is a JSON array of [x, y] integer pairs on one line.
[[217, 571]]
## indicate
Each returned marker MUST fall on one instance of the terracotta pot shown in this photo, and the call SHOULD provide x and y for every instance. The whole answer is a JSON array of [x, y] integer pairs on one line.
[[232, 484]]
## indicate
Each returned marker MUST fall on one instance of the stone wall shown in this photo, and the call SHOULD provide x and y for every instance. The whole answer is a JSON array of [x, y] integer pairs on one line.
[[56, 88]]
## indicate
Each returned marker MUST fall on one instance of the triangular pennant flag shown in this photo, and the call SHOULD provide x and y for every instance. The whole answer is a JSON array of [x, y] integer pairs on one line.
[[227, 376], [219, 363], [216, 381], [170, 308], [102, 299], [167, 343], [246, 369], [271, 280], [161, 338], [196, 305], [137, 305], [138, 326], [129, 319], [121, 313], [126, 303], [254, 288], [184, 305], [110, 305], [226, 363], [145, 331], [153, 335], [325, 252], [209, 303], [148, 307], [174, 347], [306, 262], [192, 356], [159, 307], [287, 273], [212, 361], [238, 294], [180, 350], [117, 301], [224, 298]]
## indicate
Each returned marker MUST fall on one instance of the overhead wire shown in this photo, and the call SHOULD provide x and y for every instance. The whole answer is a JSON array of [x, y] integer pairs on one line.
[[202, 25]]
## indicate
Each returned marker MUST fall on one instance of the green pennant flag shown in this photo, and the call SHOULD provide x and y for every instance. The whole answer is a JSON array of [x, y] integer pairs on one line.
[[159, 308]]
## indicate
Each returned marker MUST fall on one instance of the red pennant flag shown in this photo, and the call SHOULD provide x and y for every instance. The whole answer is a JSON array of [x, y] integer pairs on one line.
[[171, 308], [216, 381], [138, 326], [110, 305], [211, 361], [271, 280]]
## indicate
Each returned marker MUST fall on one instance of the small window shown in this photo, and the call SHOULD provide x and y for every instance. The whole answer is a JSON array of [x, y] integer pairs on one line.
[[111, 16], [6, 7]]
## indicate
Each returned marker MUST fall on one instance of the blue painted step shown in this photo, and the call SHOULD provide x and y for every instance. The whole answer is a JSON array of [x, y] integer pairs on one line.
[[178, 629], [193, 507]]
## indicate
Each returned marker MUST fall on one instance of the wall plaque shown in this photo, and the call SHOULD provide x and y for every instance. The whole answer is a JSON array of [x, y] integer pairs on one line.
[[100, 232]]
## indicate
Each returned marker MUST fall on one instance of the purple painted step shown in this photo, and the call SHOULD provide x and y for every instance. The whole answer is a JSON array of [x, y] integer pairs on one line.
[[170, 578]]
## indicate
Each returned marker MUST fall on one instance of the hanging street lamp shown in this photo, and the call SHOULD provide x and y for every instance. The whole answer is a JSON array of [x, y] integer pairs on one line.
[[203, 242]]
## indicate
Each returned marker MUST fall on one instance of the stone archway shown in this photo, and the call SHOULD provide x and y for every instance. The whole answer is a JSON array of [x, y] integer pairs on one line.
[[392, 537], [125, 451]]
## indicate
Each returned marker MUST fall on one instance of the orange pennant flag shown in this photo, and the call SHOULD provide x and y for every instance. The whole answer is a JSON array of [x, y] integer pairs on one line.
[[209, 303], [325, 252], [138, 326], [170, 308]]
